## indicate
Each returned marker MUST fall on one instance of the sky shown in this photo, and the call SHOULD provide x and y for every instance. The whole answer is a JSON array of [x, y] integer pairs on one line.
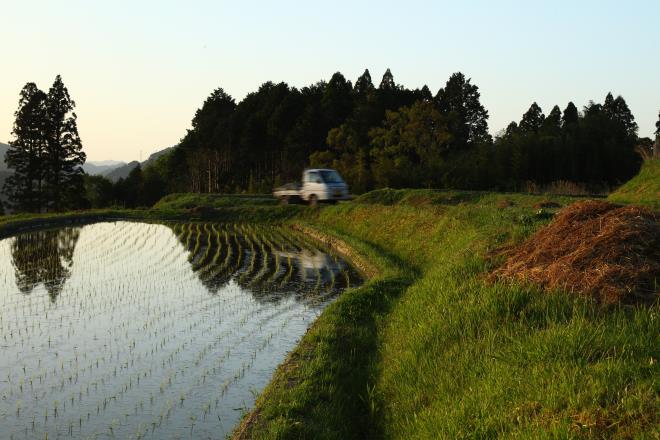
[[138, 70]]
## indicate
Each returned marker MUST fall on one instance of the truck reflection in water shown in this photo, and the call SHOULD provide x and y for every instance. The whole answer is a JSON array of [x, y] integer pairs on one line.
[[315, 266], [270, 262]]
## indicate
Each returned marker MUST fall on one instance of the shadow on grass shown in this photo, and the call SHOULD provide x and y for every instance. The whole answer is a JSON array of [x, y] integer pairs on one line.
[[324, 389]]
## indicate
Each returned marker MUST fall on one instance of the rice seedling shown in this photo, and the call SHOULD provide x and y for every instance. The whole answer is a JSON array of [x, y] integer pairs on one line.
[[168, 321]]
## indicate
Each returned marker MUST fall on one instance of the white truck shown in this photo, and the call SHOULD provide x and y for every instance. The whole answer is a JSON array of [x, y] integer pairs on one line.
[[318, 185]]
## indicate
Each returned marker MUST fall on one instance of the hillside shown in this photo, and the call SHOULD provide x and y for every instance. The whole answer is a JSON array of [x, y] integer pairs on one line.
[[101, 168], [642, 189], [122, 172]]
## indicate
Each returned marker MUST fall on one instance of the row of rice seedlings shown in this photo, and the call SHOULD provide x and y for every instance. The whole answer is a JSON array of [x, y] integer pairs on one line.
[[196, 242], [234, 261], [264, 250], [216, 239], [268, 261], [251, 275], [252, 251], [224, 260], [272, 251], [208, 246]]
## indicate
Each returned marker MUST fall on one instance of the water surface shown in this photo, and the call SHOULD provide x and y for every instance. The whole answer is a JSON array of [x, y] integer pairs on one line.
[[133, 330]]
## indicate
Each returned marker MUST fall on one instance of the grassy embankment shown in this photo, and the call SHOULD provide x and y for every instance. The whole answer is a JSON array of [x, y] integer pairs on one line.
[[225, 208], [643, 189], [430, 349]]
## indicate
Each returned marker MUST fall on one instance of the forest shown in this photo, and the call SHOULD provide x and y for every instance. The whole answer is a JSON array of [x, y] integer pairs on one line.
[[376, 136]]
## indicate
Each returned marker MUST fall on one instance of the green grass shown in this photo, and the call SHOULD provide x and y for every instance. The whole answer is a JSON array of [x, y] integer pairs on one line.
[[245, 213], [643, 189], [188, 201], [429, 349]]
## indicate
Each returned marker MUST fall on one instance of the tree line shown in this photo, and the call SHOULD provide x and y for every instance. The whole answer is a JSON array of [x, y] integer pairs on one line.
[[388, 135], [376, 136]]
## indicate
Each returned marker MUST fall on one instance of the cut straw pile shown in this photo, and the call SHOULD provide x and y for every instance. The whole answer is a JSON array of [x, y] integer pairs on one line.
[[593, 248]]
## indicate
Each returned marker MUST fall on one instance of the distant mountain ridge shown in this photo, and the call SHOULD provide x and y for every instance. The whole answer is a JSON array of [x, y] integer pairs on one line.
[[101, 168], [122, 172], [113, 170]]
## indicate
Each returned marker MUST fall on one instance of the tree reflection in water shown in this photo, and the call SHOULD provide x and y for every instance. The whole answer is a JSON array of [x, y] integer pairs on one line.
[[44, 257], [270, 262]]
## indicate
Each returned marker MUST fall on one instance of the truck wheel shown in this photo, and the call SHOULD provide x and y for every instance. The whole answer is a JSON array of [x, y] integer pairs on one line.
[[313, 200], [284, 200]]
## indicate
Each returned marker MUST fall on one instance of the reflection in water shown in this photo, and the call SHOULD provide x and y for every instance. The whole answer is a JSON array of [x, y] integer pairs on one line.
[[270, 262], [148, 330], [44, 257]]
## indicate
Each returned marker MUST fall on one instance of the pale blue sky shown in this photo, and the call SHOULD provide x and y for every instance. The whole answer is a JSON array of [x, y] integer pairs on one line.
[[138, 70]]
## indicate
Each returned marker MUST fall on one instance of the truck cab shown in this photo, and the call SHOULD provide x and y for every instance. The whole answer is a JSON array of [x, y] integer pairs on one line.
[[323, 185], [318, 185]]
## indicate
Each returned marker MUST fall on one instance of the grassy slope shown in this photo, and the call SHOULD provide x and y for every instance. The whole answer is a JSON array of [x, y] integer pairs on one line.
[[430, 350], [643, 189]]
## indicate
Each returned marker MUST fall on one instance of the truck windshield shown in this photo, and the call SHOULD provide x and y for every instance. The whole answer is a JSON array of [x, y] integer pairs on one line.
[[331, 176]]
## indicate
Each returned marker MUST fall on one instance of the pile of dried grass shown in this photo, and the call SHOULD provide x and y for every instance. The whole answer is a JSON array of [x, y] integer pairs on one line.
[[594, 248]]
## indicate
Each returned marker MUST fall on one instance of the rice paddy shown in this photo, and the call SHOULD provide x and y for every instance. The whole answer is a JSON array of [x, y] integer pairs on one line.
[[133, 330]]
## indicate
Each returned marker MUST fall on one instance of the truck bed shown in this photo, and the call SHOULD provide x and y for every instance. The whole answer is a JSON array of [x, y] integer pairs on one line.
[[289, 189]]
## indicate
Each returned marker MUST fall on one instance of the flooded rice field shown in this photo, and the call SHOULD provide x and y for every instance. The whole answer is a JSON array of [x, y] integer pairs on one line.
[[133, 330]]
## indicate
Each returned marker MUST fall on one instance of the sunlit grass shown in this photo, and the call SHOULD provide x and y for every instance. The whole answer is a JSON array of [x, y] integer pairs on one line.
[[643, 189], [430, 349]]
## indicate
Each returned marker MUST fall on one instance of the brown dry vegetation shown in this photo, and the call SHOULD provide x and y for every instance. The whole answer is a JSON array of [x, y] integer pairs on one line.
[[596, 248]]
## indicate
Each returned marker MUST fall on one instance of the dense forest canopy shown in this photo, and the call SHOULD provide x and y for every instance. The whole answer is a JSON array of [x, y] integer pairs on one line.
[[376, 136], [388, 135]]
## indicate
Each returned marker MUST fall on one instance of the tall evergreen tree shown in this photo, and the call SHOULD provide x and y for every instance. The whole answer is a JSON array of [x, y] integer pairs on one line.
[[424, 94], [532, 120], [468, 119], [607, 142], [552, 123], [608, 105], [64, 156], [617, 109], [570, 115], [364, 84], [511, 129], [337, 101], [25, 154], [554, 117], [657, 126], [387, 83]]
